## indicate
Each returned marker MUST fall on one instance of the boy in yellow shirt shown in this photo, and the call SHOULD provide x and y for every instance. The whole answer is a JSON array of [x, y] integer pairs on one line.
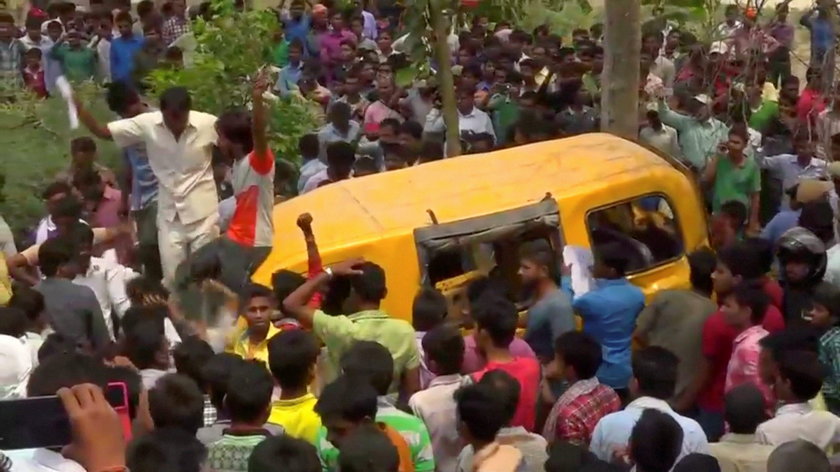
[[291, 358]]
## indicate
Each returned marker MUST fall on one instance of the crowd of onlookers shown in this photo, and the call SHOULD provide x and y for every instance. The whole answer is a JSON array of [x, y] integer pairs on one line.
[[140, 277]]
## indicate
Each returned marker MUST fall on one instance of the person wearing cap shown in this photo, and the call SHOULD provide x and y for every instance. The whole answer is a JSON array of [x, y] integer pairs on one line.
[[734, 176], [791, 168], [700, 134], [750, 39]]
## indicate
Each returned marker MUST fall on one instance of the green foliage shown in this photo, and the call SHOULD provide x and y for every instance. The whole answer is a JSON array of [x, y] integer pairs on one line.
[[35, 137], [230, 48]]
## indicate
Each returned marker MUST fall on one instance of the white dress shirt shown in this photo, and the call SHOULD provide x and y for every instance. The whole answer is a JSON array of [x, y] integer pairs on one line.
[[107, 280], [800, 421], [791, 172], [664, 139], [614, 430], [436, 407], [741, 453], [475, 121], [41, 460], [182, 166]]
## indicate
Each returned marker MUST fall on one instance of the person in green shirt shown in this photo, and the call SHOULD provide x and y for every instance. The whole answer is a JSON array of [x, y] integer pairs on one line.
[[763, 111], [280, 48], [735, 177], [77, 61]]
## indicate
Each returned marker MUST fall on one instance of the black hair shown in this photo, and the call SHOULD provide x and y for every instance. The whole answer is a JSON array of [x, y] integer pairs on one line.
[[372, 361], [340, 155], [348, 398], [444, 345], [28, 300], [751, 295], [284, 282], [613, 257], [291, 356], [370, 285], [81, 234], [64, 370], [53, 254], [507, 390], [744, 409], [763, 251], [253, 290], [392, 123], [790, 339], [249, 392], [133, 385], [175, 99], [798, 456], [564, 456], [540, 253], [166, 450], [144, 340], [13, 322], [481, 410], [695, 462], [136, 315], [429, 309], [368, 449], [308, 145], [413, 129], [736, 211], [67, 207], [655, 442], [284, 453], [82, 144], [56, 344], [828, 295], [235, 125], [216, 373], [741, 261], [56, 188], [655, 370], [342, 109], [190, 357], [297, 44], [580, 351], [496, 315], [702, 263], [144, 7], [804, 372], [176, 401], [818, 218]]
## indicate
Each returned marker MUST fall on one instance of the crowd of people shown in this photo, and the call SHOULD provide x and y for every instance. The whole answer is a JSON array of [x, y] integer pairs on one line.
[[141, 277]]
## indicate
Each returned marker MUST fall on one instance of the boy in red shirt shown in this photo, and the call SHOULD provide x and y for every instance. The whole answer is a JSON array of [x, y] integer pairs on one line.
[[495, 327], [33, 72]]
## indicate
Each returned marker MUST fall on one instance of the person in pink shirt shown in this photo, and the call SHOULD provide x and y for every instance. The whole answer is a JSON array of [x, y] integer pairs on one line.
[[474, 359], [331, 41], [811, 101], [104, 206], [495, 328], [744, 310], [384, 107]]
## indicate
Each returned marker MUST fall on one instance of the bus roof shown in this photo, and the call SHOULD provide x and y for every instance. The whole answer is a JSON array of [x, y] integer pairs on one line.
[[358, 210]]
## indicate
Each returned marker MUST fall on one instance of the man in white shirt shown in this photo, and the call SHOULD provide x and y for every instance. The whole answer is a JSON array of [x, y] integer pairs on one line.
[[660, 136], [792, 168], [179, 142], [798, 381], [107, 279], [653, 383], [471, 120]]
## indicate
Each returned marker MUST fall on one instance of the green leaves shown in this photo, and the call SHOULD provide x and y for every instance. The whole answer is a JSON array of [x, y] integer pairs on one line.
[[231, 47]]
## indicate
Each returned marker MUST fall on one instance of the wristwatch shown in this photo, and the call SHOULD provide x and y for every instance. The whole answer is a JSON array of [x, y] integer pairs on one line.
[[328, 271]]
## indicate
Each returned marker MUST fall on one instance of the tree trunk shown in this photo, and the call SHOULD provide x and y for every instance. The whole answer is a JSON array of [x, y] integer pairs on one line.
[[620, 78], [446, 82]]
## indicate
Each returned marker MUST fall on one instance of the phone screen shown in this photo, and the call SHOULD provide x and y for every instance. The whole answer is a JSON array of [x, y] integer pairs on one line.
[[39, 422]]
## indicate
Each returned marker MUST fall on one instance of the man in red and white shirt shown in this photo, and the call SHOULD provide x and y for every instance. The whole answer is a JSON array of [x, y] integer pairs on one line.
[[242, 138], [744, 309]]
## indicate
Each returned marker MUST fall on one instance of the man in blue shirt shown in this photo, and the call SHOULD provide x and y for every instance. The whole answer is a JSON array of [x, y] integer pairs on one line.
[[298, 24], [819, 24], [287, 79], [609, 314], [123, 49]]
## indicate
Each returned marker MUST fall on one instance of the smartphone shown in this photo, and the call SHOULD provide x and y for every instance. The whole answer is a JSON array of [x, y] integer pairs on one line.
[[41, 422]]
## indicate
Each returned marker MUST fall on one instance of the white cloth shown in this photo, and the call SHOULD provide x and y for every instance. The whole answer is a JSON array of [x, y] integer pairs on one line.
[[41, 460], [177, 241], [614, 429], [475, 121], [436, 407], [664, 140], [108, 279], [832, 270], [315, 181], [15, 367], [311, 168], [227, 208], [800, 421], [182, 166]]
